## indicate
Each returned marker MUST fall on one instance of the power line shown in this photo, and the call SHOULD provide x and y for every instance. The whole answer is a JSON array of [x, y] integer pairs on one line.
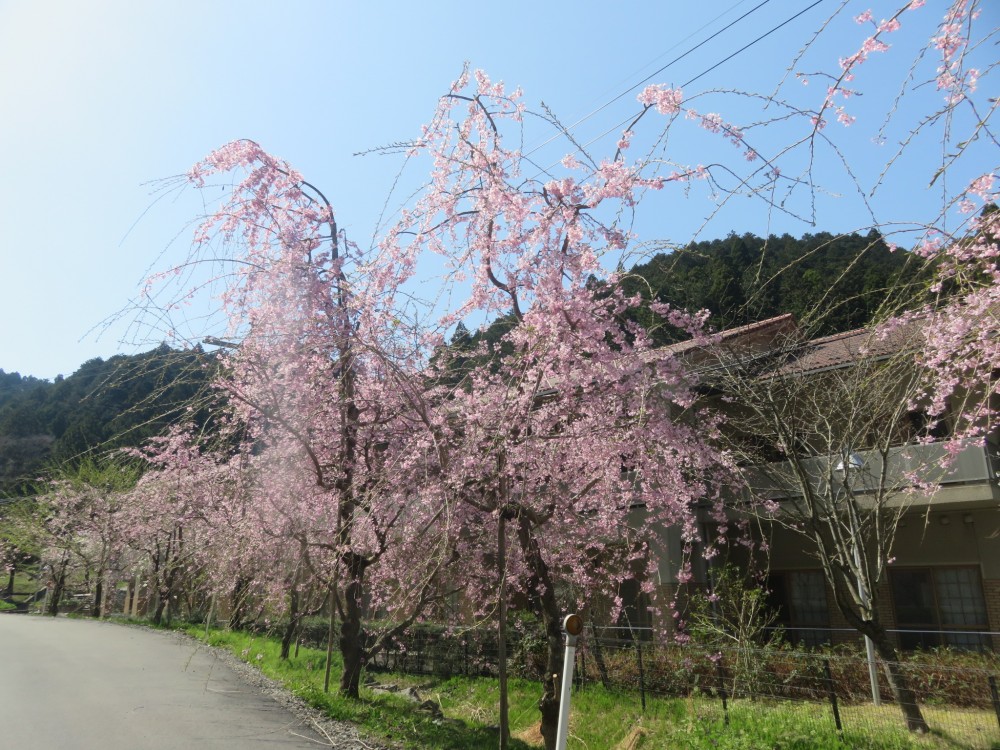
[[708, 70], [655, 73], [748, 46]]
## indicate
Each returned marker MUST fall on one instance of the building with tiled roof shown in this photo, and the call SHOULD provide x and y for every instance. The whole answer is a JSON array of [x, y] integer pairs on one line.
[[942, 587]]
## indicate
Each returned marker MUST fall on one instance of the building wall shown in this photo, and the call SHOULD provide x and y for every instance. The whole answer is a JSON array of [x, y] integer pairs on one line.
[[927, 538], [991, 589]]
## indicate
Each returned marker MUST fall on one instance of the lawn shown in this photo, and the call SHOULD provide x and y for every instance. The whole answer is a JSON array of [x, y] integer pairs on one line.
[[24, 587], [601, 719]]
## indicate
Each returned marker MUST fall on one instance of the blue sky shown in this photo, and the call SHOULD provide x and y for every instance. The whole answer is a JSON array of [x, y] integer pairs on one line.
[[102, 98]]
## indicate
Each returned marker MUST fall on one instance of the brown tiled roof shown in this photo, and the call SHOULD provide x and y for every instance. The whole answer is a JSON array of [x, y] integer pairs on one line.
[[757, 336], [845, 348], [780, 336]]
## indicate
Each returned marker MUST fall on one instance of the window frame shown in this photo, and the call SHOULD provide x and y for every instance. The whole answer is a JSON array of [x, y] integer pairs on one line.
[[935, 635], [795, 630]]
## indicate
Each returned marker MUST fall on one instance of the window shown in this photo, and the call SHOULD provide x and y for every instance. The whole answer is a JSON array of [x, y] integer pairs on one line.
[[635, 610], [923, 426], [799, 597], [939, 607]]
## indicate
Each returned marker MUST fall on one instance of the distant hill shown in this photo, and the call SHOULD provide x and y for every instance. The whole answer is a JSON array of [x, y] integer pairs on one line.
[[105, 404], [831, 283]]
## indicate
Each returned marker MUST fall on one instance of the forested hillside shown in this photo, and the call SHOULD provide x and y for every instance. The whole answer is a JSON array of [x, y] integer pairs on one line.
[[105, 404], [830, 283], [833, 283]]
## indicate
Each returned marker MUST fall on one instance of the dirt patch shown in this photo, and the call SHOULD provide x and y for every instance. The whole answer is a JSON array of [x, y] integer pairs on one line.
[[532, 735], [633, 740]]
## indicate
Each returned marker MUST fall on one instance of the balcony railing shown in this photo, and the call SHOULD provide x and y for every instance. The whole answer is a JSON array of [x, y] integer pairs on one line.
[[943, 463]]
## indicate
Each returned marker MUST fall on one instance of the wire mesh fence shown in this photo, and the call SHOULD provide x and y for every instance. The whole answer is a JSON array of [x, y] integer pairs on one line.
[[955, 692]]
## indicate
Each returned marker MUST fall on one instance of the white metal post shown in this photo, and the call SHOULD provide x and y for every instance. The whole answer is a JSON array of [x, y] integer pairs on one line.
[[869, 646], [572, 626]]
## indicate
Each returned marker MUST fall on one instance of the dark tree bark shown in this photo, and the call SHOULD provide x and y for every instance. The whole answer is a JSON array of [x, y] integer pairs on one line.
[[873, 628], [544, 596], [161, 604], [59, 586], [95, 609], [330, 637], [239, 603], [899, 683], [351, 634], [293, 623]]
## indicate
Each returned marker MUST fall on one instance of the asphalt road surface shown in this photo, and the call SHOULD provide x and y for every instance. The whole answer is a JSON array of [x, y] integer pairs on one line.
[[87, 685]]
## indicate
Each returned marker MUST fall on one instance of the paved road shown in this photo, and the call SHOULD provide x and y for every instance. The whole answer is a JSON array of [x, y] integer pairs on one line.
[[85, 685]]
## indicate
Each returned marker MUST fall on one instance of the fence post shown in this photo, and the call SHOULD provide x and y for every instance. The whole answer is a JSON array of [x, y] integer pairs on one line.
[[721, 676], [996, 697], [642, 674], [832, 692], [602, 667]]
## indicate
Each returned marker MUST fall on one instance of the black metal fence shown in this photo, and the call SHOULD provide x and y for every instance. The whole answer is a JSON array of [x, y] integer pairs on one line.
[[956, 691]]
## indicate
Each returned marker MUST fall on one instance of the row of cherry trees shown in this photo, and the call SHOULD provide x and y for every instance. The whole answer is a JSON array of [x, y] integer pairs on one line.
[[360, 457], [397, 475], [355, 459]]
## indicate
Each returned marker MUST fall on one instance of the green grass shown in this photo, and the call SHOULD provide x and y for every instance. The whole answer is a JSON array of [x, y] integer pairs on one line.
[[24, 587], [25, 583], [385, 717], [601, 720]]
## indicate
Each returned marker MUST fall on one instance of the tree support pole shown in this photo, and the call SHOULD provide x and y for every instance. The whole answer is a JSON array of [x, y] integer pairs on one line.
[[572, 626], [863, 593]]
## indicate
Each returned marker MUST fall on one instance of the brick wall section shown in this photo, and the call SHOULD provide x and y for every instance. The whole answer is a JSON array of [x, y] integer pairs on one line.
[[838, 625], [885, 608], [844, 633], [991, 590]]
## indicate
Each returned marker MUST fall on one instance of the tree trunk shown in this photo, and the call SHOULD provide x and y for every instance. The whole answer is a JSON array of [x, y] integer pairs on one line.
[[351, 635], [543, 592], [59, 585], [352, 653], [332, 599], [9, 591], [238, 610], [95, 609], [161, 604], [899, 683], [165, 608], [154, 600], [57, 592], [293, 623]]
